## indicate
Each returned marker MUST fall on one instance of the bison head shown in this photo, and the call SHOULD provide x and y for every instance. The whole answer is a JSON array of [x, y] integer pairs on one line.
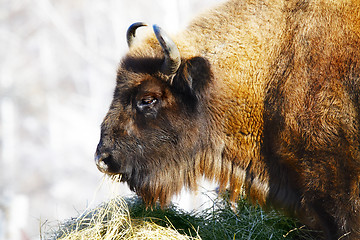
[[157, 124]]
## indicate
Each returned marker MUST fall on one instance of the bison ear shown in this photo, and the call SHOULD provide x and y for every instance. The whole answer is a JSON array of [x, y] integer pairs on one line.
[[193, 76]]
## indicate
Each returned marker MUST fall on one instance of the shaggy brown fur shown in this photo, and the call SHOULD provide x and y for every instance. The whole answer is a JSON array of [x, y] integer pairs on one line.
[[266, 102]]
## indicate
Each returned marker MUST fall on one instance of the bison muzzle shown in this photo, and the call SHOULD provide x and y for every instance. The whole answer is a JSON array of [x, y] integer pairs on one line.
[[261, 96]]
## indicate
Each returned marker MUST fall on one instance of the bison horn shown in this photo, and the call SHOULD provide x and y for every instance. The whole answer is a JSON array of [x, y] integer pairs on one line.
[[172, 54], [130, 34]]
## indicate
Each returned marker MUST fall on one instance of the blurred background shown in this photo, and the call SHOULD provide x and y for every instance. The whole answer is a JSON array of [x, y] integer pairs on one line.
[[58, 61]]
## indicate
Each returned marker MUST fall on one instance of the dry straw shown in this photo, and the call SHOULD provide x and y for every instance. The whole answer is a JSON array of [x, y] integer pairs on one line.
[[112, 221]]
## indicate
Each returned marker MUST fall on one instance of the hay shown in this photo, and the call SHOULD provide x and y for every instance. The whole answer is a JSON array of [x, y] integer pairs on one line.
[[112, 221], [130, 219]]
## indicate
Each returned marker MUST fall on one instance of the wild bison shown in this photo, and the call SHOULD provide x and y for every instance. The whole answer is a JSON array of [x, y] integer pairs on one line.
[[260, 95]]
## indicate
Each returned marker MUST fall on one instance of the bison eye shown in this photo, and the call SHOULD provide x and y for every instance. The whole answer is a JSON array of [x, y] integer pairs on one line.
[[147, 103]]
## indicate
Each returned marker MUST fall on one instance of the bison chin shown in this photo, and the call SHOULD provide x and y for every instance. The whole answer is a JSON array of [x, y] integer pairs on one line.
[[159, 185]]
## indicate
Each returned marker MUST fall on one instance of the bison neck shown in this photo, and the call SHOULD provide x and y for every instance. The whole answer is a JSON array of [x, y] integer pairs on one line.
[[239, 52], [236, 108]]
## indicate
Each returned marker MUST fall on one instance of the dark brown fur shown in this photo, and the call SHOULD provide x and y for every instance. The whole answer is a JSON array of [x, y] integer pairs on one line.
[[266, 102]]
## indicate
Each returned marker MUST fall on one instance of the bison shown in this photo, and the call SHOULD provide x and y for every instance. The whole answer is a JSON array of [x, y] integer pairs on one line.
[[262, 96]]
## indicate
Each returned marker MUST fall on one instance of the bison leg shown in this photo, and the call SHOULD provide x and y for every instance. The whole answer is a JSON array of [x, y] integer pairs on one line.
[[331, 198], [338, 223]]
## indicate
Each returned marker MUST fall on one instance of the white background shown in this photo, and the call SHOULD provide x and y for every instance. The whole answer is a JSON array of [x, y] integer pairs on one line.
[[58, 63]]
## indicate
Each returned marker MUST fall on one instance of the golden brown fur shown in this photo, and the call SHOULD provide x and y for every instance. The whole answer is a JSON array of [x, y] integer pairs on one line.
[[266, 102]]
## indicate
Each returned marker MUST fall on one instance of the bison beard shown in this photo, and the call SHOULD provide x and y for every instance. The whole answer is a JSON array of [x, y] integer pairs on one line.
[[261, 96]]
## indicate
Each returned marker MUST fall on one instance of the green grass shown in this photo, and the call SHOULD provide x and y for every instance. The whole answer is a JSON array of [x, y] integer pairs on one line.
[[248, 222], [218, 222]]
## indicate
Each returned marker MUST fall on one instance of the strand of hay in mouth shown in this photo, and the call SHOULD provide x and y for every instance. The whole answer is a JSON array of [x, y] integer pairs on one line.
[[112, 221]]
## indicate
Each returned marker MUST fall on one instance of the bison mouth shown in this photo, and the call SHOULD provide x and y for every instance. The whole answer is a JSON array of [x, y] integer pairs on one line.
[[106, 164]]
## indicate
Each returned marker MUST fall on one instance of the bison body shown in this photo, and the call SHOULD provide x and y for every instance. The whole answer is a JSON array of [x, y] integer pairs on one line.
[[261, 96]]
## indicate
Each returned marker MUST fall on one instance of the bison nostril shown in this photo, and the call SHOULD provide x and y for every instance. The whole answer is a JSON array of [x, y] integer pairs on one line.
[[102, 161]]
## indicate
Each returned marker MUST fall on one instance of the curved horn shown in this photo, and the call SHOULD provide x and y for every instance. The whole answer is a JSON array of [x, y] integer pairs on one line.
[[172, 55], [130, 34]]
